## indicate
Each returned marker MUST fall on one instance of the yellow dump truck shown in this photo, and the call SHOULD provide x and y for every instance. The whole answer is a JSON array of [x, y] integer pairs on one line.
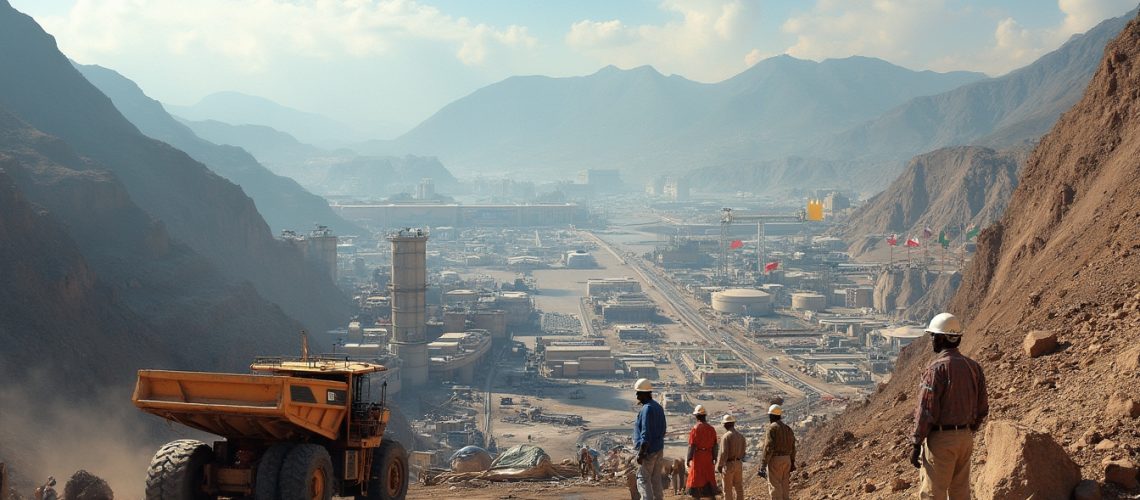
[[293, 429]]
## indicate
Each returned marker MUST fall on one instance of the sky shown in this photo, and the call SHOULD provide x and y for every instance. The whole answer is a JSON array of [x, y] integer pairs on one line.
[[383, 66]]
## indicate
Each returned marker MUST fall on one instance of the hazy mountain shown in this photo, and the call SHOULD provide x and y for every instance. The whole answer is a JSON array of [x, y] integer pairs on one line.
[[948, 189], [1015, 108], [329, 172], [283, 202], [207, 213], [642, 120], [242, 109]]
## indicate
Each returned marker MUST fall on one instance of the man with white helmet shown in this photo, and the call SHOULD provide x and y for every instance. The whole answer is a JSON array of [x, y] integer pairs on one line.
[[649, 442], [730, 464], [779, 455], [952, 404]]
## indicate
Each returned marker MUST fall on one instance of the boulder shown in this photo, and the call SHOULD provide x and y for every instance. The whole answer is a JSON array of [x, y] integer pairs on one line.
[[84, 485], [1023, 463], [1122, 473], [1129, 360], [1122, 406], [1087, 490], [899, 484], [1039, 343]]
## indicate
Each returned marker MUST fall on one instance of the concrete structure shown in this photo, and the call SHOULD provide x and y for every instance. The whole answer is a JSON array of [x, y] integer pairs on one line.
[[409, 305], [628, 308], [809, 301], [632, 332], [579, 361], [580, 259], [676, 189], [714, 367], [743, 301], [455, 215], [425, 190], [518, 307], [836, 202], [457, 355], [462, 296], [900, 337], [601, 287], [318, 248], [860, 297]]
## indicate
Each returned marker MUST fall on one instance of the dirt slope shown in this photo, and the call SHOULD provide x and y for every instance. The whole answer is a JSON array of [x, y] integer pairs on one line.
[[1065, 256]]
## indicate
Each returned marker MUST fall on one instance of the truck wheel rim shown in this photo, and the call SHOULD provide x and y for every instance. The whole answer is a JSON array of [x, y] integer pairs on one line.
[[395, 477], [317, 485]]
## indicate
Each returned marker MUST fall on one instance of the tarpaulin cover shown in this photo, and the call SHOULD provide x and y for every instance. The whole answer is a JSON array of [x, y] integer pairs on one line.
[[470, 459], [522, 461]]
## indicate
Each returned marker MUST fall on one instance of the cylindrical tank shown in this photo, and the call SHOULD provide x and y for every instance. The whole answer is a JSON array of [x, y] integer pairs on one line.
[[745, 301], [808, 301], [454, 321], [494, 321], [409, 307], [460, 296]]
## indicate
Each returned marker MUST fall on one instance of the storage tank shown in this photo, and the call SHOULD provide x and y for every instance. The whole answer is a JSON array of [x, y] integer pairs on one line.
[[460, 297], [809, 301], [454, 321], [746, 301]]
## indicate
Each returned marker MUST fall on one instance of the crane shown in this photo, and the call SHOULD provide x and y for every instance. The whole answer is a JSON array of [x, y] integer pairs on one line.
[[728, 216]]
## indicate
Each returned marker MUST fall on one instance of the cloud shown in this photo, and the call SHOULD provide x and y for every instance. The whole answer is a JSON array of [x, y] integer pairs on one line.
[[702, 39], [252, 33], [936, 34], [754, 56]]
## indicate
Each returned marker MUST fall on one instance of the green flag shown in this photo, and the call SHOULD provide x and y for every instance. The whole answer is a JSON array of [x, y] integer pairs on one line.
[[943, 240], [974, 230]]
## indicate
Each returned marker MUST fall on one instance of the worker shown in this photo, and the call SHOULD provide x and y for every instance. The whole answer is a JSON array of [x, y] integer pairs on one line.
[[679, 476], [952, 404], [702, 453], [47, 491], [584, 465], [779, 455], [730, 463], [649, 441]]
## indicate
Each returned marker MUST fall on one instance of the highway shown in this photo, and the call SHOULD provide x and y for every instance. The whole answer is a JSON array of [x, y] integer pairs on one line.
[[778, 377]]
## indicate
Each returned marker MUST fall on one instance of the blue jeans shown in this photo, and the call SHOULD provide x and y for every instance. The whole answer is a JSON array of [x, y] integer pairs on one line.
[[649, 477]]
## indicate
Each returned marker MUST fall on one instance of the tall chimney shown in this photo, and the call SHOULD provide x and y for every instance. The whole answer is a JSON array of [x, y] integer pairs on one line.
[[409, 315]]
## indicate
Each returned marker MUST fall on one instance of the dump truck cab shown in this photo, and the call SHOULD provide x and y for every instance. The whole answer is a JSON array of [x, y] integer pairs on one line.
[[304, 428]]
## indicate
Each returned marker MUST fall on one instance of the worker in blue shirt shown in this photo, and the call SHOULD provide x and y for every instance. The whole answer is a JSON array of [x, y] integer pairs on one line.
[[649, 441]]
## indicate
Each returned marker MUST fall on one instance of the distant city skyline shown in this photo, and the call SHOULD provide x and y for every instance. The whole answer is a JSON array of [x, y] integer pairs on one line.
[[385, 65]]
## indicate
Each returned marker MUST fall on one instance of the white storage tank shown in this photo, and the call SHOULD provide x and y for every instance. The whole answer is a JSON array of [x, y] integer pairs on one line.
[[460, 297], [745, 301], [809, 301]]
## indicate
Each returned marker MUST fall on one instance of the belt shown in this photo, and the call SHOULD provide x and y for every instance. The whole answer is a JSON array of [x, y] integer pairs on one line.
[[949, 427]]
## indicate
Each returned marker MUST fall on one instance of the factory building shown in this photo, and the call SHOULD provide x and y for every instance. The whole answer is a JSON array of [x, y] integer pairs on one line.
[[579, 360], [318, 248], [632, 332], [455, 215], [457, 355], [518, 307], [628, 308], [714, 367], [861, 297], [742, 301], [601, 287], [809, 301], [580, 259], [409, 304]]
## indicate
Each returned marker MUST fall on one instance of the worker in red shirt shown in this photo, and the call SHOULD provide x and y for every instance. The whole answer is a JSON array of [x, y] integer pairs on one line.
[[951, 407]]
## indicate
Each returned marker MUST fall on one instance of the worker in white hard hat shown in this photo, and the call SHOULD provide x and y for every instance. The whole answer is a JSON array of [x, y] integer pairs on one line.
[[952, 405], [730, 461], [701, 482], [779, 460], [649, 442]]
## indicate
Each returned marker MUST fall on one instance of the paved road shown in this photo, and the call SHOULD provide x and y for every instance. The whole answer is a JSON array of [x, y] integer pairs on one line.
[[775, 375]]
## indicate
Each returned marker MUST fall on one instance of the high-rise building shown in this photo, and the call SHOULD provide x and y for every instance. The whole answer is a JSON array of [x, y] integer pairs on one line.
[[409, 307]]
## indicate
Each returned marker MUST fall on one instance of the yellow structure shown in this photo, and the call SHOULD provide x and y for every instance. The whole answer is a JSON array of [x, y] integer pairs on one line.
[[815, 210]]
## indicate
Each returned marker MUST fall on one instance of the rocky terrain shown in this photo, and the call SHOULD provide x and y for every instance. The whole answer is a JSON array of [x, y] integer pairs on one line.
[[951, 188], [1061, 262]]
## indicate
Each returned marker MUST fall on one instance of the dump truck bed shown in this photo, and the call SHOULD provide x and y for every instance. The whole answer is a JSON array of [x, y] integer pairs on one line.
[[268, 407]]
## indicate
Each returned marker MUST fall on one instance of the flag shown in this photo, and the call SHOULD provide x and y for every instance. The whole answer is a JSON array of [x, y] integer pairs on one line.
[[972, 232], [943, 239], [893, 240], [771, 266], [911, 242], [927, 232], [735, 244]]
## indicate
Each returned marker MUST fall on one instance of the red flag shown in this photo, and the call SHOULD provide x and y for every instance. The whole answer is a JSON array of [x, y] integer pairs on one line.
[[735, 244], [893, 240], [911, 242], [771, 266]]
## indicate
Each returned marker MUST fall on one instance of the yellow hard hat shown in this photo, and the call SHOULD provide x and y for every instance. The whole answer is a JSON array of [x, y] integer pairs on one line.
[[945, 324], [728, 419], [775, 410], [643, 385], [700, 410]]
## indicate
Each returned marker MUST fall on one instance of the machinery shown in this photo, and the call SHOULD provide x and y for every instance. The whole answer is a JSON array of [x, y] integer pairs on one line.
[[728, 216], [294, 429]]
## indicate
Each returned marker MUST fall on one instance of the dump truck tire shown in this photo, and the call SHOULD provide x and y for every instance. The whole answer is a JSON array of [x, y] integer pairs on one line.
[[269, 471], [306, 474], [176, 471], [389, 478]]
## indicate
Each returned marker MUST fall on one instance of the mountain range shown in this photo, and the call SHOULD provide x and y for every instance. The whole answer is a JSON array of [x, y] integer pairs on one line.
[[641, 121], [244, 109], [283, 202]]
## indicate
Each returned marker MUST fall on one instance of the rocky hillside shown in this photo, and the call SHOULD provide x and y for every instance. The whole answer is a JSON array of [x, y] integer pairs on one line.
[[948, 189], [283, 202], [1062, 259], [915, 294], [201, 209]]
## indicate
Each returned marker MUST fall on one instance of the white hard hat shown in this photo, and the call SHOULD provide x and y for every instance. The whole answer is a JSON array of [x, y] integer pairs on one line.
[[728, 419], [945, 324], [642, 385], [700, 410], [775, 410]]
